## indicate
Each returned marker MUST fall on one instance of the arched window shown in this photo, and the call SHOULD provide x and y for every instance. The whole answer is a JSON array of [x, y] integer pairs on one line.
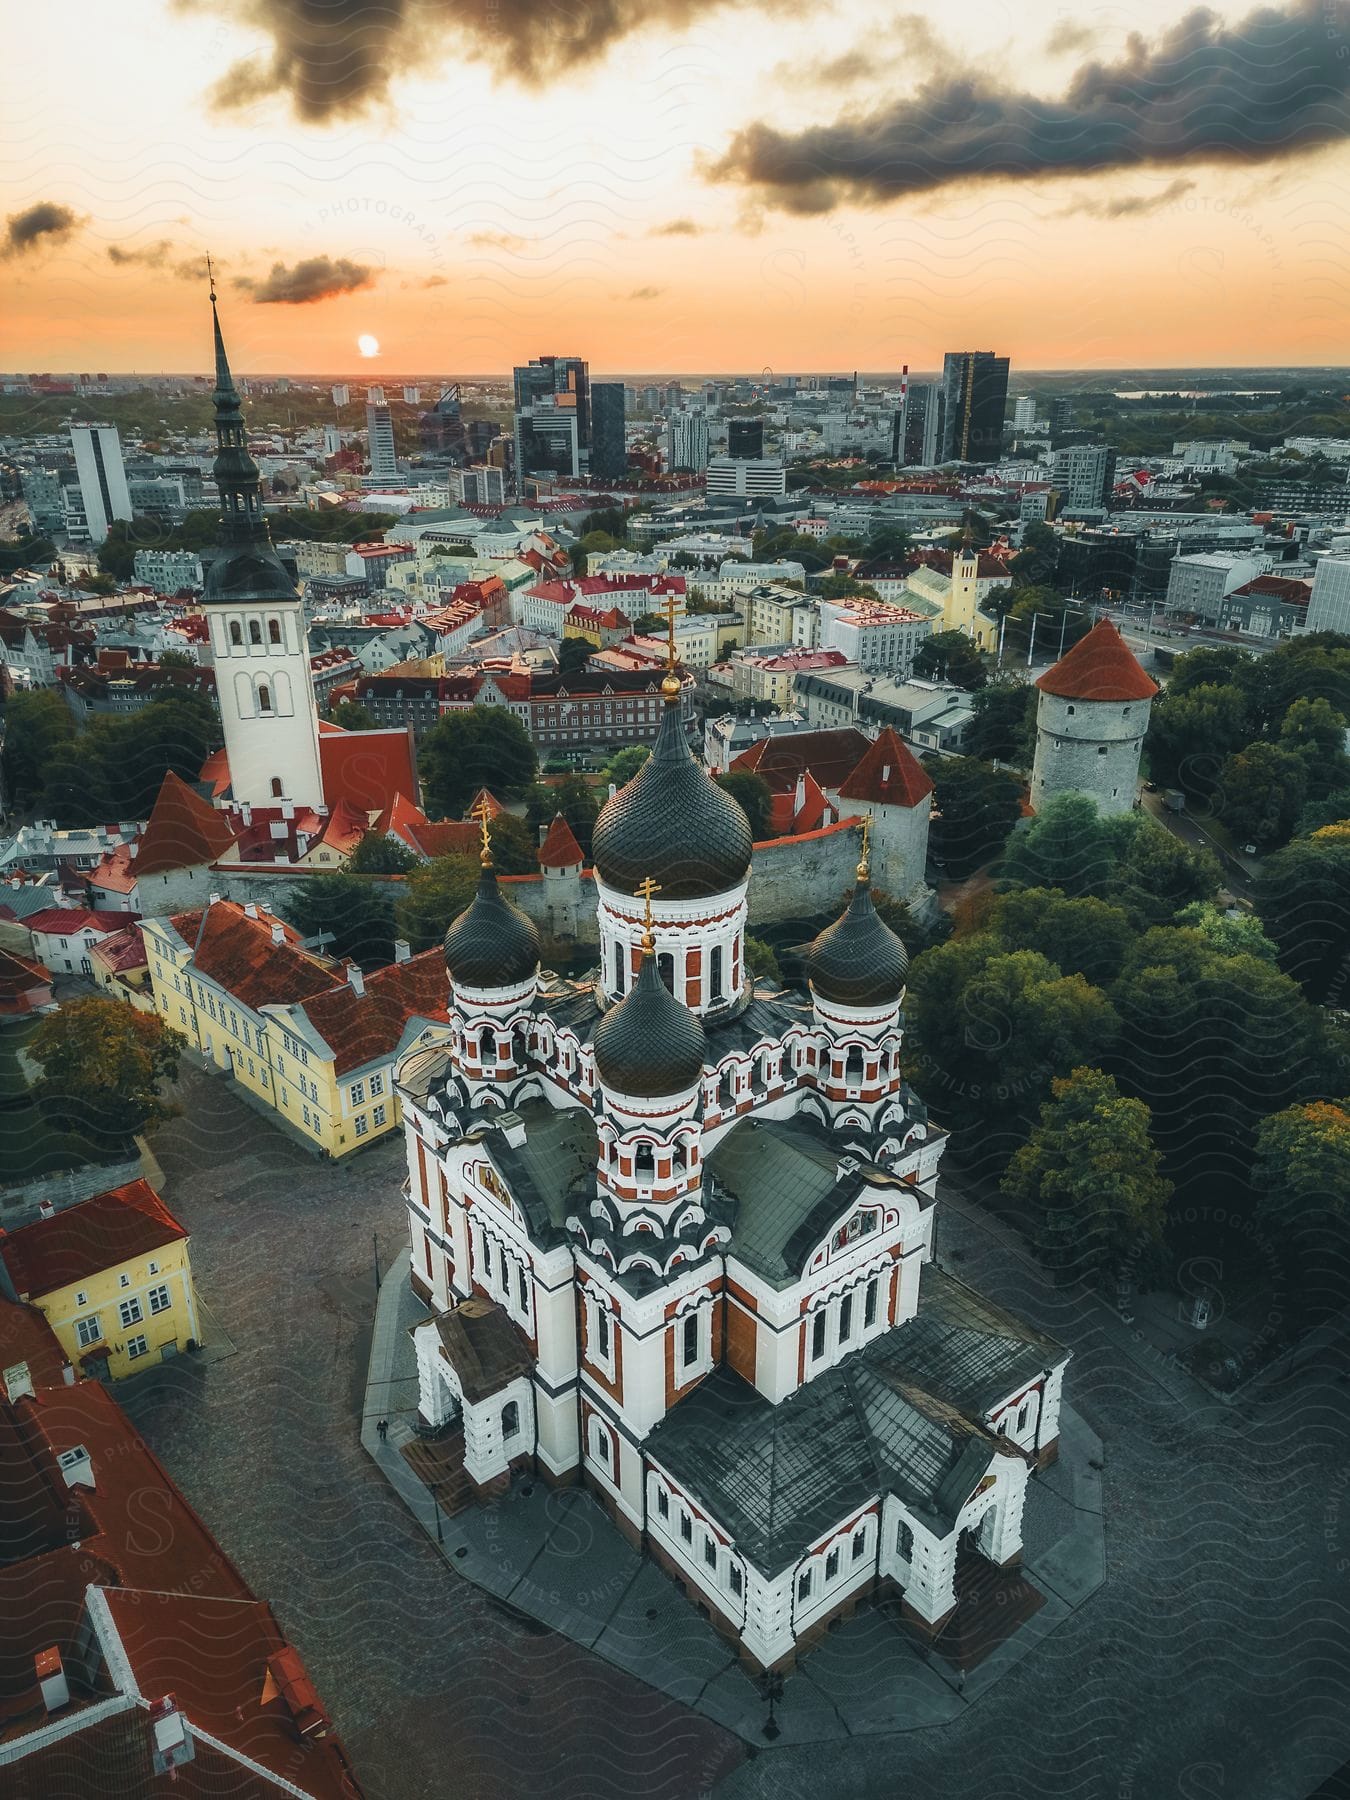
[[254, 632], [689, 1348], [264, 697], [620, 957], [665, 966], [276, 787], [602, 1333], [236, 633], [715, 973], [274, 631], [644, 1163], [853, 1064], [510, 1418], [487, 1045]]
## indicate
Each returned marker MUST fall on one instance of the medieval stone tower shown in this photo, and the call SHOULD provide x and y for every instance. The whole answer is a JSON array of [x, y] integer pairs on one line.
[[1090, 723]]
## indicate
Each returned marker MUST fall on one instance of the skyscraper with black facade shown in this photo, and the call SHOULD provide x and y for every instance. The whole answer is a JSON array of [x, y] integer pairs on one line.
[[974, 402], [609, 455]]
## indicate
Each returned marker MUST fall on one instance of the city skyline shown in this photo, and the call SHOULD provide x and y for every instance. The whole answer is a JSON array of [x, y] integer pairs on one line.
[[685, 196]]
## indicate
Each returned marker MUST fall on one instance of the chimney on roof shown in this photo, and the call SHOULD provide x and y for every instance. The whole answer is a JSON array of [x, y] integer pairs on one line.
[[278, 933], [77, 1467], [171, 1743], [46, 1208], [355, 979], [19, 1383], [68, 1374], [402, 950], [51, 1678], [213, 900], [133, 850]]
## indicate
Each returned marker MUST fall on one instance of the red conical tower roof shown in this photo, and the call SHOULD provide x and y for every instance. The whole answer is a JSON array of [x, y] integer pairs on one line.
[[560, 848], [888, 775], [183, 831], [1101, 666]]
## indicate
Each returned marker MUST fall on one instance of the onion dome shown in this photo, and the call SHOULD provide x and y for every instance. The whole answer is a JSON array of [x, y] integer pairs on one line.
[[673, 823], [491, 944], [858, 961], [649, 1045]]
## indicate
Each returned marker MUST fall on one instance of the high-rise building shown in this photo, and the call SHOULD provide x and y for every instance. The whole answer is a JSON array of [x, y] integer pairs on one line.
[[609, 453], [412, 395], [332, 439], [547, 439], [440, 429], [1024, 412], [745, 437], [917, 426], [974, 401], [687, 440], [1329, 601], [746, 476], [342, 394], [375, 396], [1084, 474], [562, 379], [102, 478], [380, 436], [674, 394], [1059, 415]]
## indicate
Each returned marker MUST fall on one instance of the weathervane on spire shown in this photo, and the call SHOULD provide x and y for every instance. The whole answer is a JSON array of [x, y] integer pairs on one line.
[[210, 278], [647, 887], [483, 813]]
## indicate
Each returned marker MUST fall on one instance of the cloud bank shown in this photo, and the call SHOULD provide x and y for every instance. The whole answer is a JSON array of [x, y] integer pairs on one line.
[[36, 227], [316, 278]]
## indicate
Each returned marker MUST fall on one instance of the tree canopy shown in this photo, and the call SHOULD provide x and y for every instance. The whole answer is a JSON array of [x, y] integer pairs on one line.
[[355, 913], [102, 1064], [481, 746], [754, 797], [975, 807], [352, 716], [575, 799], [1303, 897], [433, 897], [1004, 726], [951, 656]]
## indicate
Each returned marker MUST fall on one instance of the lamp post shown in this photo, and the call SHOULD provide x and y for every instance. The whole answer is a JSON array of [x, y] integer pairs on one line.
[[773, 1693]]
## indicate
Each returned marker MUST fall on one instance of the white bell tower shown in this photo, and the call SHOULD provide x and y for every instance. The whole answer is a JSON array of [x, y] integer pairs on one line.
[[259, 644]]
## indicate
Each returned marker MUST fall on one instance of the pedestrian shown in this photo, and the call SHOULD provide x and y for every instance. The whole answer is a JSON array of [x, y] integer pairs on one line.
[[383, 1429]]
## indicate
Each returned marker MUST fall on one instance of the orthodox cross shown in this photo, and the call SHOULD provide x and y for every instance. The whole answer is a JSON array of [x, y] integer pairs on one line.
[[672, 655], [483, 813], [647, 887], [866, 860]]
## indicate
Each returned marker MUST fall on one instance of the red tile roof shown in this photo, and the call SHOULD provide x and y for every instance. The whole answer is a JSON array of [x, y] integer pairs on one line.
[[1101, 666], [183, 831], [366, 768], [830, 755], [889, 775], [83, 1240], [238, 952], [560, 849], [20, 976], [65, 921], [116, 873], [123, 950], [364, 1028]]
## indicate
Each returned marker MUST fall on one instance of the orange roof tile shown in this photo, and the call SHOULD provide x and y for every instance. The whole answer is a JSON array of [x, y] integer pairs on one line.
[[831, 755], [1101, 666], [889, 775], [363, 1028], [239, 953], [560, 849], [183, 831], [84, 1239], [366, 768]]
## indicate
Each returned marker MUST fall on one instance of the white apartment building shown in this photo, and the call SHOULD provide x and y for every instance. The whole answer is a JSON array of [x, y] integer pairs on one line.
[[1329, 602], [735, 578], [746, 477], [878, 638], [167, 571], [380, 438], [102, 477], [687, 441]]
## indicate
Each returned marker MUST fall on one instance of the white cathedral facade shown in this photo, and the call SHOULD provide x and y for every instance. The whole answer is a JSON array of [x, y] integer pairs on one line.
[[675, 1231]]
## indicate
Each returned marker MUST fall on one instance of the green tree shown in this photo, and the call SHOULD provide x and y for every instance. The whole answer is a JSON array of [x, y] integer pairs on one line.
[[1228, 932], [1303, 897], [26, 551], [36, 725], [594, 543], [574, 798], [1086, 937], [1315, 732], [1260, 793], [951, 656], [625, 765], [1156, 873], [482, 746], [1004, 726], [754, 797], [1333, 810], [573, 654], [1058, 621], [761, 960], [355, 914], [1302, 1162], [1190, 735], [1036, 563], [1209, 666], [1091, 1172], [433, 898], [102, 1064], [379, 855], [975, 807], [352, 716], [847, 587], [515, 848]]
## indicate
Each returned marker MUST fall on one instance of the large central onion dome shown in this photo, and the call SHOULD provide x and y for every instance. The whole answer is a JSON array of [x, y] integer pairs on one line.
[[491, 944], [674, 823], [649, 1045], [858, 961]]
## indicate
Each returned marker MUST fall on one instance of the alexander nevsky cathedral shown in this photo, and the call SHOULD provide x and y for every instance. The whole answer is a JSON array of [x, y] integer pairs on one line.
[[674, 1226]]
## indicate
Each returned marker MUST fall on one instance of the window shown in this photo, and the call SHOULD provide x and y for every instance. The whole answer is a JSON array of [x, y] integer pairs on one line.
[[619, 955], [152, 1268], [362, 1124], [686, 1528], [358, 1093], [159, 1298], [845, 1318], [129, 1312], [523, 1290], [818, 1336], [511, 1419], [88, 1331], [665, 967], [264, 697], [715, 973], [277, 789], [379, 1116], [804, 1584], [376, 1085], [859, 1543], [832, 1564], [709, 1552], [274, 631], [904, 1542], [663, 1503], [644, 1163], [870, 1304], [734, 1578], [691, 1335], [124, 1281], [137, 1346], [602, 1333], [81, 1298], [305, 1111], [1023, 1413], [1101, 749]]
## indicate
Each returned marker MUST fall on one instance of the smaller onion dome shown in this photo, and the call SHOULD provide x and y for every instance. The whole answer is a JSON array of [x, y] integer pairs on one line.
[[858, 961], [649, 1045], [491, 944]]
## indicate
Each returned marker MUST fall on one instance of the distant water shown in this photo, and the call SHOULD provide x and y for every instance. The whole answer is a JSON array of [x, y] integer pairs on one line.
[[1195, 393]]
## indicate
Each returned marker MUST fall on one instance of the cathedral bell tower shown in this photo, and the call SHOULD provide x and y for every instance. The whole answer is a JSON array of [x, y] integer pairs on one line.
[[259, 644]]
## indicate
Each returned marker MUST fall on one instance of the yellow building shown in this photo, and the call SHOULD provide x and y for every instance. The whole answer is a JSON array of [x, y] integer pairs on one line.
[[112, 1276], [309, 1037], [121, 970]]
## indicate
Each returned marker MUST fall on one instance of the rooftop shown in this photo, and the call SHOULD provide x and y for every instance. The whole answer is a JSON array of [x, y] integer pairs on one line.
[[1101, 666], [82, 1240]]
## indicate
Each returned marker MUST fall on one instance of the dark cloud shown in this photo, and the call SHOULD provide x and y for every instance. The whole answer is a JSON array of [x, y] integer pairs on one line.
[[645, 293], [36, 226], [1268, 86], [1129, 206], [678, 228], [149, 256], [337, 57], [316, 278], [1066, 36]]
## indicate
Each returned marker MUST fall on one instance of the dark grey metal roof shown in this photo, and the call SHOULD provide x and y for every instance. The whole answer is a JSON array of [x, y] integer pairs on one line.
[[649, 1043], [858, 961], [558, 1154], [968, 1350], [491, 943]]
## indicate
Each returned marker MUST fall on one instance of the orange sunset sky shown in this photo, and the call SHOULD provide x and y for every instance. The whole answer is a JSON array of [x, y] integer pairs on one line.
[[674, 186]]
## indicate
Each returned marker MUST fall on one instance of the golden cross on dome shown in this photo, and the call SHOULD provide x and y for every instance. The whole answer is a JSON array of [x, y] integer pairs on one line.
[[865, 861], [672, 654], [483, 813], [647, 887]]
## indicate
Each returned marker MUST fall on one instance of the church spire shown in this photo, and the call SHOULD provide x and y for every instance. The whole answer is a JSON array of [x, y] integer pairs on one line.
[[236, 473]]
